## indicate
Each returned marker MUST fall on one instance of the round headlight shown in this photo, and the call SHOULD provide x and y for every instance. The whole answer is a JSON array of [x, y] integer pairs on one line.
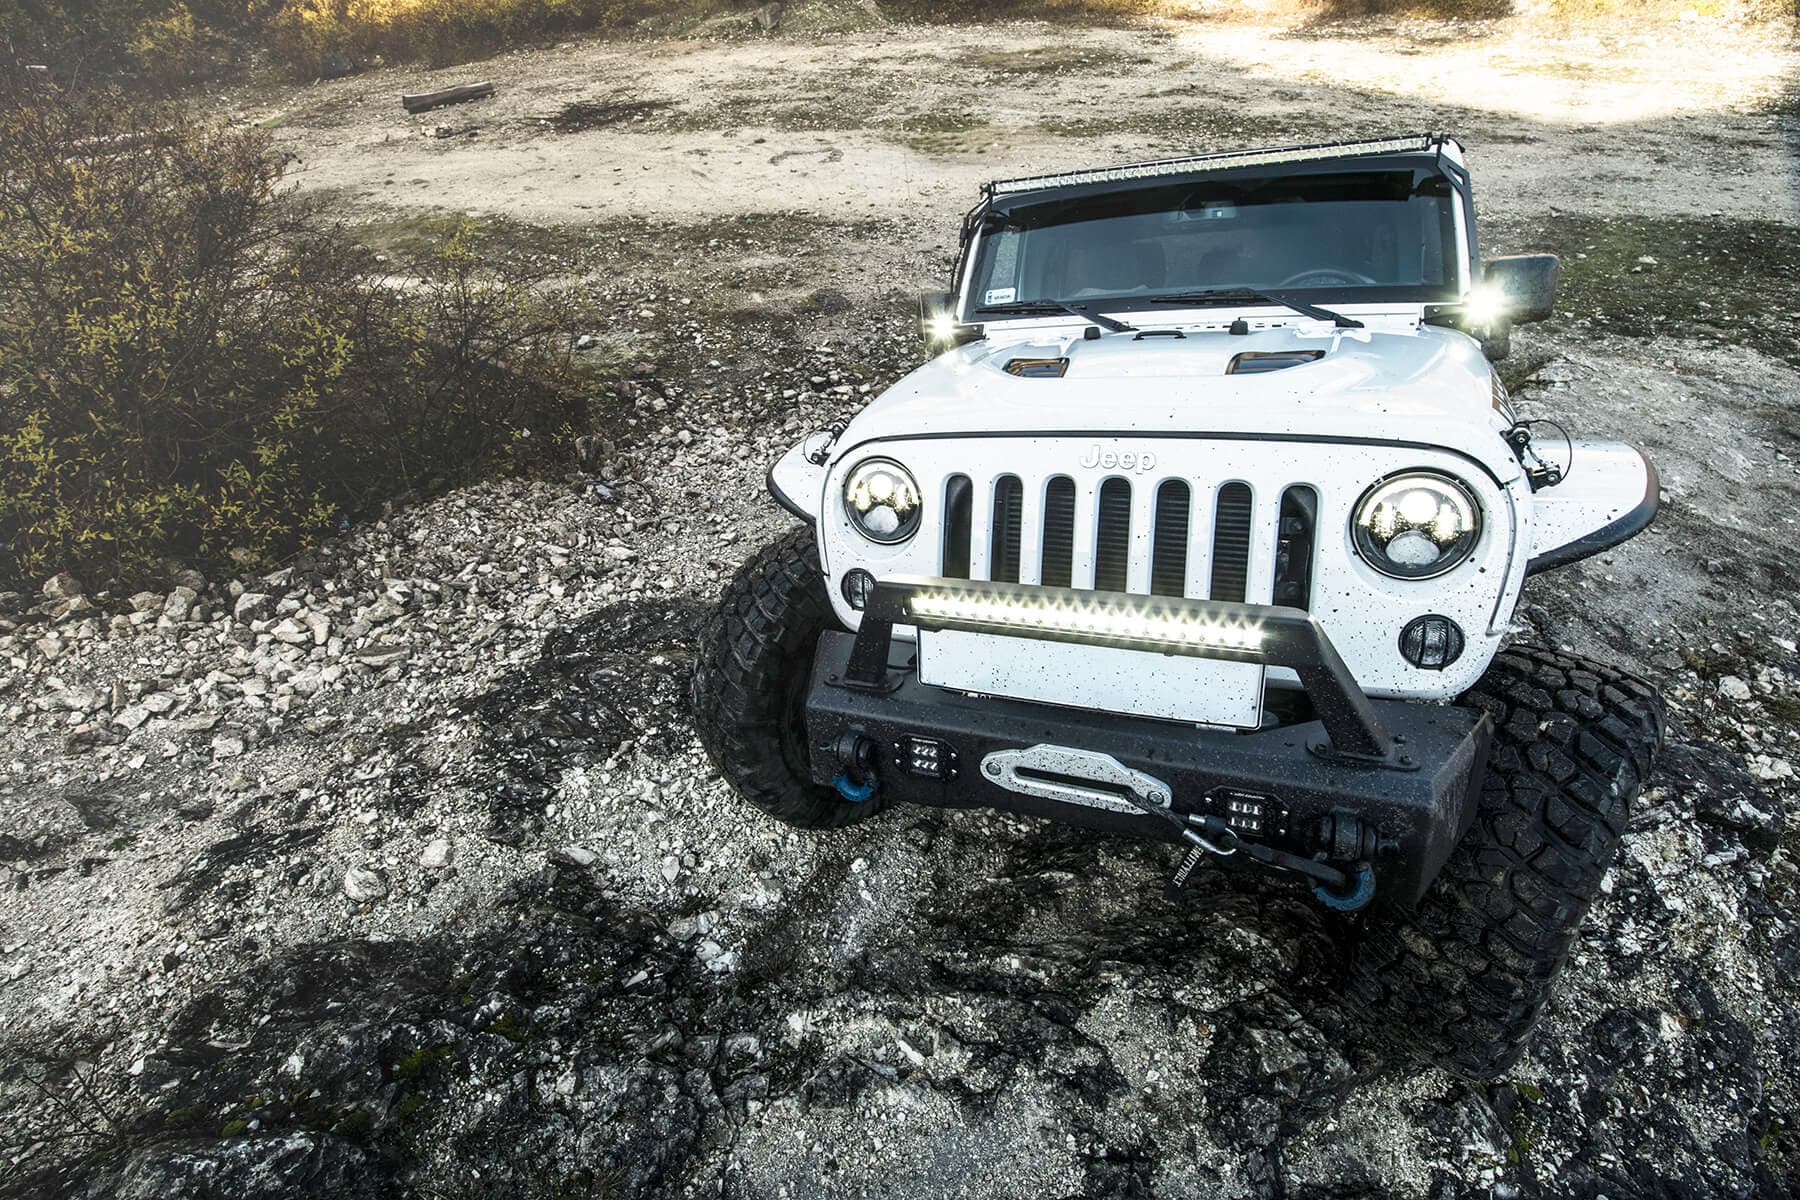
[[1415, 526], [883, 500]]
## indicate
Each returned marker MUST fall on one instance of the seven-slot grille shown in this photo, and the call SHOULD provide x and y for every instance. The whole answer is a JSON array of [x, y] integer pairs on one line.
[[1154, 536]]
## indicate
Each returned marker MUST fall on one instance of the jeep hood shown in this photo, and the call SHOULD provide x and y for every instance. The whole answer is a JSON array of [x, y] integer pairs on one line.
[[1432, 383]]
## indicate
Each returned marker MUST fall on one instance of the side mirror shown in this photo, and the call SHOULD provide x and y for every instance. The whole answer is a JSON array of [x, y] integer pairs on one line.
[[1527, 283], [937, 318], [1496, 340]]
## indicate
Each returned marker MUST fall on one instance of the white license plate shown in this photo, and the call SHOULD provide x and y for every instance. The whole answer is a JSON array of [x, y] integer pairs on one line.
[[1173, 687]]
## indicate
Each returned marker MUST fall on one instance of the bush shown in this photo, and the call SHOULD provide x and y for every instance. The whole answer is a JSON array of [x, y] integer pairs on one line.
[[92, 32], [304, 33], [194, 364], [170, 48], [959, 11]]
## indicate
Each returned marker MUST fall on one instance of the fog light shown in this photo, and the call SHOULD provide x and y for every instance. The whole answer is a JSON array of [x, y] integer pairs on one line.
[[857, 587], [1431, 642]]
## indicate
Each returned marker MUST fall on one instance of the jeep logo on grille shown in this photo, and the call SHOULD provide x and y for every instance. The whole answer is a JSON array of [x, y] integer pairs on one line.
[[1124, 460]]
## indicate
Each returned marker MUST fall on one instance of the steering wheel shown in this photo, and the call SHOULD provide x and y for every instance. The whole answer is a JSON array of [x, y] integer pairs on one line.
[[1326, 277]]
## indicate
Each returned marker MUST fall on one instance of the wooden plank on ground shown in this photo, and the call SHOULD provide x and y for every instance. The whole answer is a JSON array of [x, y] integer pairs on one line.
[[426, 101]]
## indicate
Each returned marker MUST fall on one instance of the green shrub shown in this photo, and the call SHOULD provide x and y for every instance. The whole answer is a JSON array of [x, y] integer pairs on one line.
[[91, 32], [303, 33], [194, 364], [169, 48]]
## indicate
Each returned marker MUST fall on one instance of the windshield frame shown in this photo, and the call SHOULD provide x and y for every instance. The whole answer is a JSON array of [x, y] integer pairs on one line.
[[1462, 261]]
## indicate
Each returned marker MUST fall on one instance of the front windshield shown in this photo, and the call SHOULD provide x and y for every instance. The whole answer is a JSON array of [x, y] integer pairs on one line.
[[1366, 236]]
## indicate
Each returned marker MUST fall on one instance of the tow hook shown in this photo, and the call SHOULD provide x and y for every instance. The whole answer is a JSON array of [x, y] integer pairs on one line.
[[1354, 896], [855, 779], [1206, 834]]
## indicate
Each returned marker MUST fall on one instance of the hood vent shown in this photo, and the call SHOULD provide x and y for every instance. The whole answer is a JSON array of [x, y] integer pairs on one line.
[[1258, 362], [1037, 368]]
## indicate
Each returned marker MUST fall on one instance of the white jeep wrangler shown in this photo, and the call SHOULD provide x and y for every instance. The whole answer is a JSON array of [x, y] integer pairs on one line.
[[1207, 523]]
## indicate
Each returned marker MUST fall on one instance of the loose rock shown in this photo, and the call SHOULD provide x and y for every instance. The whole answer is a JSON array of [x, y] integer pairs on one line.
[[180, 603], [362, 884], [62, 586]]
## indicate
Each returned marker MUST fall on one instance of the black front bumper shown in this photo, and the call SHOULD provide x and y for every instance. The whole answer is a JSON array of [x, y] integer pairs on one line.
[[1390, 783]]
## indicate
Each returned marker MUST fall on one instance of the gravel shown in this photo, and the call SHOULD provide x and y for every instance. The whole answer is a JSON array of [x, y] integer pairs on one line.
[[399, 871], [427, 876]]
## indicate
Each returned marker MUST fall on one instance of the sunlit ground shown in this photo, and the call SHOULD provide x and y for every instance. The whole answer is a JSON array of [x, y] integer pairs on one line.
[[1623, 73]]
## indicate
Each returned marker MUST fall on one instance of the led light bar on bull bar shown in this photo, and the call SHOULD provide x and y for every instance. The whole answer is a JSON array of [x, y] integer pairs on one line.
[[1223, 160], [1258, 633], [1149, 625]]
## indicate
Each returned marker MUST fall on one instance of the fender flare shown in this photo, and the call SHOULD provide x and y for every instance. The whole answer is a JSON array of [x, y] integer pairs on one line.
[[1591, 513], [795, 481]]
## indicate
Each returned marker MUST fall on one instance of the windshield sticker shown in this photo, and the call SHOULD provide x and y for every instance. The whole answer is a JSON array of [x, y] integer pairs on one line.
[[1000, 296]]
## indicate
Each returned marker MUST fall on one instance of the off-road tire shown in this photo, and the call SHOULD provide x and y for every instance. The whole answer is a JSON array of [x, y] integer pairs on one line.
[[750, 680], [1460, 980]]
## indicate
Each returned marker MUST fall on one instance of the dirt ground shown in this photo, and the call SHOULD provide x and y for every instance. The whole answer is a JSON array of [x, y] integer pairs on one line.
[[401, 873], [908, 122]]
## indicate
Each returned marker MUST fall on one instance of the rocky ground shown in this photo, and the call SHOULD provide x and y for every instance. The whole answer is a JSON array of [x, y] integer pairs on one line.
[[400, 871]]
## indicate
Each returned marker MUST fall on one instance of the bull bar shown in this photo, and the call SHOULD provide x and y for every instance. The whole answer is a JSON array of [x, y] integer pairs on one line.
[[1364, 782]]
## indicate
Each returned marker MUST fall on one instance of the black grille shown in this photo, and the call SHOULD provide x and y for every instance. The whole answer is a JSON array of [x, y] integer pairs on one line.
[[958, 502], [1231, 543], [1003, 546], [1112, 538], [1168, 549], [1059, 532], [1294, 547], [1174, 519]]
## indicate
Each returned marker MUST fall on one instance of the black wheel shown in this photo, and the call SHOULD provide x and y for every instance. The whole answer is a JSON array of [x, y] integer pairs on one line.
[[1460, 980], [756, 656]]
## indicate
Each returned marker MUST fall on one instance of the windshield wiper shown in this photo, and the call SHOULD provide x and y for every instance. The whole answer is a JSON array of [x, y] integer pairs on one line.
[[1054, 306], [1228, 295]]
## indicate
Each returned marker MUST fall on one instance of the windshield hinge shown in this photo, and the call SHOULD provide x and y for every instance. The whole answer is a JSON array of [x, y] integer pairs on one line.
[[820, 443], [1540, 472]]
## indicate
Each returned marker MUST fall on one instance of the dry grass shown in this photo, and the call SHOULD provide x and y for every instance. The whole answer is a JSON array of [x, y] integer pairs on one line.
[[1656, 11], [172, 42], [306, 33]]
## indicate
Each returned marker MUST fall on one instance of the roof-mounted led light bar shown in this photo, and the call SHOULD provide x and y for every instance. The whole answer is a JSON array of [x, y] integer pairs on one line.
[[1418, 143]]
